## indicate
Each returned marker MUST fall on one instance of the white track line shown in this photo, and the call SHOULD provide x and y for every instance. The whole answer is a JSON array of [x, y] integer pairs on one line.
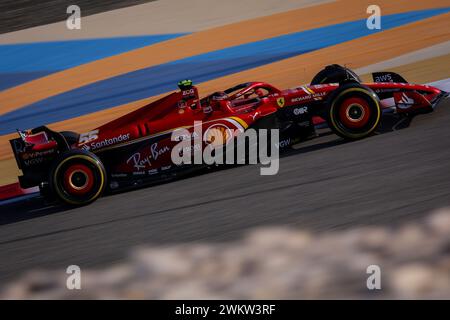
[[441, 84]]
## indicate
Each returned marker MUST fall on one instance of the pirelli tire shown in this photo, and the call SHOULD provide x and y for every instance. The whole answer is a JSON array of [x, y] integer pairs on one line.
[[353, 111], [71, 137], [77, 178], [335, 74]]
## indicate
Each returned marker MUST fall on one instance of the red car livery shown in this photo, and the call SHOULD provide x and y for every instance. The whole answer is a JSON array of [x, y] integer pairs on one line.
[[136, 148]]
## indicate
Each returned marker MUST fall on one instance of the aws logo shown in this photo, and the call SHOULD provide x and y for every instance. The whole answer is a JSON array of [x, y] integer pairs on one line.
[[384, 78]]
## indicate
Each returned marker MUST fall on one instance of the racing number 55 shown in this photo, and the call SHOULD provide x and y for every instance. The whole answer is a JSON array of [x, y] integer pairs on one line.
[[89, 136]]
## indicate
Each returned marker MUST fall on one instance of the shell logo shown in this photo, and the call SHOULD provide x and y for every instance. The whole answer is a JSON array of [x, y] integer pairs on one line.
[[217, 135]]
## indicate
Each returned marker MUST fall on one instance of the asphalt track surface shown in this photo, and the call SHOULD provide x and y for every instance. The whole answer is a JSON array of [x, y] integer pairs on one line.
[[323, 184]]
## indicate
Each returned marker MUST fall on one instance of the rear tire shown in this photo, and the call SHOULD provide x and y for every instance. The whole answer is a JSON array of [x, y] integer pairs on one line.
[[335, 74], [353, 111], [78, 178], [71, 137]]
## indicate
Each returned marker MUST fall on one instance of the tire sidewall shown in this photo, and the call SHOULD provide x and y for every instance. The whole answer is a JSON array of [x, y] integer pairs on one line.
[[343, 93], [335, 74], [71, 137], [73, 157]]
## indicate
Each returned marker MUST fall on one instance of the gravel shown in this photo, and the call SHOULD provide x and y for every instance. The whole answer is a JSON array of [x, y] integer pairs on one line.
[[271, 263]]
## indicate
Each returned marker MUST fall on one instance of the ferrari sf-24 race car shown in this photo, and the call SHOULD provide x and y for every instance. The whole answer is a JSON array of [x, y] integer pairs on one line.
[[135, 149]]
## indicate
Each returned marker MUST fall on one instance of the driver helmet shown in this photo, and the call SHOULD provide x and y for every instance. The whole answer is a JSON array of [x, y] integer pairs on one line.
[[215, 98], [219, 95], [185, 84], [260, 93]]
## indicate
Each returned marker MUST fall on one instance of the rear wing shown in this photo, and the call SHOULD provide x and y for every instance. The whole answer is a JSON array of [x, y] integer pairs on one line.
[[388, 76], [34, 152], [33, 148]]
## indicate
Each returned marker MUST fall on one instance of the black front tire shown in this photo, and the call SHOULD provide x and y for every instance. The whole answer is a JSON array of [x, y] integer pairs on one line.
[[353, 111]]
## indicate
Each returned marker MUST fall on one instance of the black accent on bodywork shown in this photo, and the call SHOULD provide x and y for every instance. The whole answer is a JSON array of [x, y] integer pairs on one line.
[[388, 77]]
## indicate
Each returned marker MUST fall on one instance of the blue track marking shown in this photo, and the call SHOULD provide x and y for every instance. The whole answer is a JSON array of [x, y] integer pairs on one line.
[[162, 78], [19, 198], [24, 62], [12, 79]]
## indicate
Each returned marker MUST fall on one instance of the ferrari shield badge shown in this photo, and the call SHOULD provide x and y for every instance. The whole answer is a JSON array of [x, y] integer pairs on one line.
[[280, 102]]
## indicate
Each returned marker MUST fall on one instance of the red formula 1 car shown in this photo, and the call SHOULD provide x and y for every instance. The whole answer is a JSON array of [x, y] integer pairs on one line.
[[135, 149]]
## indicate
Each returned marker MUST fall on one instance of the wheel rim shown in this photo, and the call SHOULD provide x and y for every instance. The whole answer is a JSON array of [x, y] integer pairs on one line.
[[354, 113], [343, 123], [78, 179]]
